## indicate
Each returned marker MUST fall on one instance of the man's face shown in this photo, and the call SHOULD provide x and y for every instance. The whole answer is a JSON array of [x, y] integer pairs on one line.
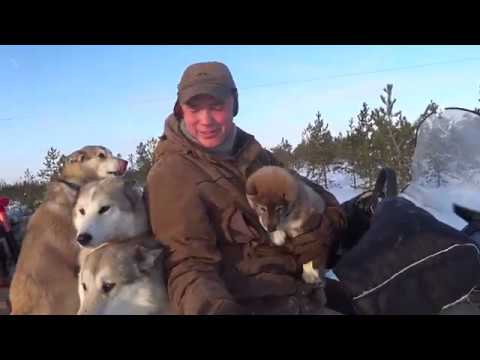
[[208, 119]]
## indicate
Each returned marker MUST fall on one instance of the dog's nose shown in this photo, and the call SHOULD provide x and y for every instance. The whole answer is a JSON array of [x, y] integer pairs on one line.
[[84, 239]]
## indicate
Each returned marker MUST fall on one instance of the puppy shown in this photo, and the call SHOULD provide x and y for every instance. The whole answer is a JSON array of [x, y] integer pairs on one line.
[[286, 208]]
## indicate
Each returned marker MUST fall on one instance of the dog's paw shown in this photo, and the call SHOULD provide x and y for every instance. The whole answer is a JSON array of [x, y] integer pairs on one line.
[[311, 275], [278, 237]]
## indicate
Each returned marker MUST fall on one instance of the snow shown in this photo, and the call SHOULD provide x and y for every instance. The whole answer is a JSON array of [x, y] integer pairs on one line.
[[446, 165], [340, 185], [436, 200], [16, 211]]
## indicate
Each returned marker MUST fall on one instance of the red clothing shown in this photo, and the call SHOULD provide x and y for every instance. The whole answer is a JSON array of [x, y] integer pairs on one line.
[[4, 201]]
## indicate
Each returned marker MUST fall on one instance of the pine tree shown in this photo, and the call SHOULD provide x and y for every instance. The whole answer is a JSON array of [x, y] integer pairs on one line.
[[28, 177], [362, 137], [300, 156], [31, 190], [432, 108], [142, 160], [351, 146], [283, 153], [51, 165], [392, 138], [318, 149]]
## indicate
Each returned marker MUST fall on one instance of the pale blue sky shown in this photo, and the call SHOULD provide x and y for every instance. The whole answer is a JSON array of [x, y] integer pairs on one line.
[[117, 96]]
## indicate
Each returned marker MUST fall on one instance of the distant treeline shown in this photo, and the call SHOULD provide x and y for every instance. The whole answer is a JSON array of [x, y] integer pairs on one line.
[[376, 137]]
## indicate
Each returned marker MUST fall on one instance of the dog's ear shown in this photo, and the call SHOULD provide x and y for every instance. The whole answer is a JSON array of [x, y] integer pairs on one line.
[[251, 188], [131, 193], [145, 258], [76, 156]]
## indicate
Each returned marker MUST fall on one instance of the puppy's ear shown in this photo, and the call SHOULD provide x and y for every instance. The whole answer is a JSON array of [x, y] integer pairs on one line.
[[77, 156], [145, 259], [251, 188]]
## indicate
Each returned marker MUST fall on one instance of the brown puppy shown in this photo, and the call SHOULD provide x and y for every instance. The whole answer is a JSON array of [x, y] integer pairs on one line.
[[287, 208]]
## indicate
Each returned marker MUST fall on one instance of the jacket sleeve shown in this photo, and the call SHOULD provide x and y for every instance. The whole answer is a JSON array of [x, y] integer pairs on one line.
[[180, 221]]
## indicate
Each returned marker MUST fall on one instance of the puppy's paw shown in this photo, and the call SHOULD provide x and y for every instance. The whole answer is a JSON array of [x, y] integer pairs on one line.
[[278, 237], [311, 275]]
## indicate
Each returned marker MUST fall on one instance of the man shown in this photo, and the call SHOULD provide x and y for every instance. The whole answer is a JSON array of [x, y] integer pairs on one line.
[[219, 260]]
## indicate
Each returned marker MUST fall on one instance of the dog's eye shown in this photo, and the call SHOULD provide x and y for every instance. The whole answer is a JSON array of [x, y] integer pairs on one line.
[[84, 287], [103, 209], [101, 156], [82, 211], [279, 208], [107, 287]]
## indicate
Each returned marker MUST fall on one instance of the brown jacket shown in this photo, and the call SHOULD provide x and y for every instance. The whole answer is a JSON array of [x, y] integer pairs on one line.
[[219, 259]]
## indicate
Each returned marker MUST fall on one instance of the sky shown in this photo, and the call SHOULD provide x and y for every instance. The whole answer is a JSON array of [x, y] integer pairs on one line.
[[70, 96]]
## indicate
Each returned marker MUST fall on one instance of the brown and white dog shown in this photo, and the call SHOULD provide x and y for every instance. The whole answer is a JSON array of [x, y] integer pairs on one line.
[[45, 279], [286, 208]]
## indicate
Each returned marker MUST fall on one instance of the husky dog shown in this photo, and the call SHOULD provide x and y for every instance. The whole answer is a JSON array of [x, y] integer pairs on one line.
[[109, 209], [285, 206], [122, 279], [45, 279]]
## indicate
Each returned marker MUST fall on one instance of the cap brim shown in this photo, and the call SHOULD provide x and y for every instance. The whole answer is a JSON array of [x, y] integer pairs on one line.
[[217, 91]]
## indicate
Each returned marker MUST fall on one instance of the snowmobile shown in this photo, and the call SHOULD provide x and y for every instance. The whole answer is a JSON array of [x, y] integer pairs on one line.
[[406, 253]]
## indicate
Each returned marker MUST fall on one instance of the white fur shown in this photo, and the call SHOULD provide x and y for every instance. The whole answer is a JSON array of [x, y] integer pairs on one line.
[[108, 166], [112, 224], [138, 298], [311, 275], [278, 237]]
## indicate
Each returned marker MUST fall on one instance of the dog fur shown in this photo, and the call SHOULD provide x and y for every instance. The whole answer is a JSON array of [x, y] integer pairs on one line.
[[109, 210], [45, 278], [113, 231], [123, 279], [286, 207]]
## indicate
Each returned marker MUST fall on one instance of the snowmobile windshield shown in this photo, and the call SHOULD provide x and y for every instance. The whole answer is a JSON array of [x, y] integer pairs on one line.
[[446, 164]]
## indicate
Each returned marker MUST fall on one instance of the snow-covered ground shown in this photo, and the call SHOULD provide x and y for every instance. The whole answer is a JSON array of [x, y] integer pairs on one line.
[[340, 185], [436, 200], [439, 201], [445, 167]]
